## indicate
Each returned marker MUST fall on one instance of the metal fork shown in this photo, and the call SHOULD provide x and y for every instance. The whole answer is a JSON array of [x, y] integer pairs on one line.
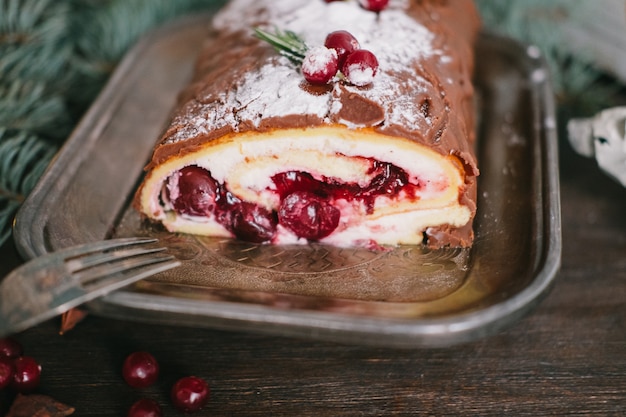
[[56, 282]]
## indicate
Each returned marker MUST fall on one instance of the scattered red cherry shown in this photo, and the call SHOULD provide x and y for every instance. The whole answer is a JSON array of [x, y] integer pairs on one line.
[[320, 65], [190, 394], [374, 5], [145, 407], [7, 370], [140, 370], [27, 374], [10, 348], [343, 42], [360, 67]]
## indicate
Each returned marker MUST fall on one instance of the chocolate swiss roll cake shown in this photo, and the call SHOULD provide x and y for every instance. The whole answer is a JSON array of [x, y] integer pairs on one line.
[[340, 122]]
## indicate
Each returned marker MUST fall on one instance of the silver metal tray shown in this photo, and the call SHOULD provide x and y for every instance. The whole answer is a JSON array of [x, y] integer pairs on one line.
[[408, 297]]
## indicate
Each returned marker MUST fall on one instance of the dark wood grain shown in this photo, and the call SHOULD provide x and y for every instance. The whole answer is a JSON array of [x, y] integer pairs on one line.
[[567, 358]]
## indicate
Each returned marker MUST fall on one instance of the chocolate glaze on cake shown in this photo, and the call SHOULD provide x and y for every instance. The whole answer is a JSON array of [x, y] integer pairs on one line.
[[422, 91]]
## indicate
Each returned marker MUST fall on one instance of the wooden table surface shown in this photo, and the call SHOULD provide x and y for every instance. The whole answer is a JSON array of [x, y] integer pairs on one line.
[[568, 357]]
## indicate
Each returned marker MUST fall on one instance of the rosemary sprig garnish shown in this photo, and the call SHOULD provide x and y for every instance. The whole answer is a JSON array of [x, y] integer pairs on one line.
[[286, 42]]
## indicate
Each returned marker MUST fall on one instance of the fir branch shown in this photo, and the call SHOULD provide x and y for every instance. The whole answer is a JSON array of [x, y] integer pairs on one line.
[[105, 31], [34, 39], [27, 106], [23, 159], [541, 23], [55, 56], [285, 42]]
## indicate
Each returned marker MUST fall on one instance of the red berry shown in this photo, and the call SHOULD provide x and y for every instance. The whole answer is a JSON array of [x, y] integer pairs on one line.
[[145, 407], [291, 181], [192, 191], [27, 374], [360, 67], [10, 348], [140, 369], [7, 370], [388, 179], [309, 216], [320, 65], [190, 394], [343, 42], [374, 5], [253, 223]]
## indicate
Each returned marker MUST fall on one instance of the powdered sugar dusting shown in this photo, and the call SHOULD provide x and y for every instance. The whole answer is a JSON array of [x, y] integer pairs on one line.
[[255, 101], [317, 59], [360, 76], [275, 90], [320, 64]]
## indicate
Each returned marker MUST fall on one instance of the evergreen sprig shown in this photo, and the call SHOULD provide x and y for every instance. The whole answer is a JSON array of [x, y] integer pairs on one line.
[[27, 106], [23, 159], [34, 40], [285, 42], [542, 23], [55, 56]]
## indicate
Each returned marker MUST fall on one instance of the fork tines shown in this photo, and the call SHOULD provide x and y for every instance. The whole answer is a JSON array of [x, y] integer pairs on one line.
[[110, 258]]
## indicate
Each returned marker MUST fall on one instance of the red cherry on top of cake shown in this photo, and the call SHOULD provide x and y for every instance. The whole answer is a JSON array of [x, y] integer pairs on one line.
[[374, 5], [360, 67], [320, 65], [343, 42], [341, 52]]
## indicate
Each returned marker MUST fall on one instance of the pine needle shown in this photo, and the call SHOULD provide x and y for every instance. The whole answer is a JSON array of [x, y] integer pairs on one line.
[[285, 42], [55, 56], [34, 41], [541, 23], [27, 106], [23, 160]]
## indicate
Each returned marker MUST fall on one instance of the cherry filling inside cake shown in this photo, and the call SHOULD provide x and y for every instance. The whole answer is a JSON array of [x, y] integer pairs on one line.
[[333, 185], [308, 207]]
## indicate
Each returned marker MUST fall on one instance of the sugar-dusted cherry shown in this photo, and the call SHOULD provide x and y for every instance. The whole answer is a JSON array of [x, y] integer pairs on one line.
[[320, 65], [145, 407], [360, 67], [343, 42], [374, 5], [190, 394], [27, 374], [7, 370], [140, 369], [308, 215], [10, 348]]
